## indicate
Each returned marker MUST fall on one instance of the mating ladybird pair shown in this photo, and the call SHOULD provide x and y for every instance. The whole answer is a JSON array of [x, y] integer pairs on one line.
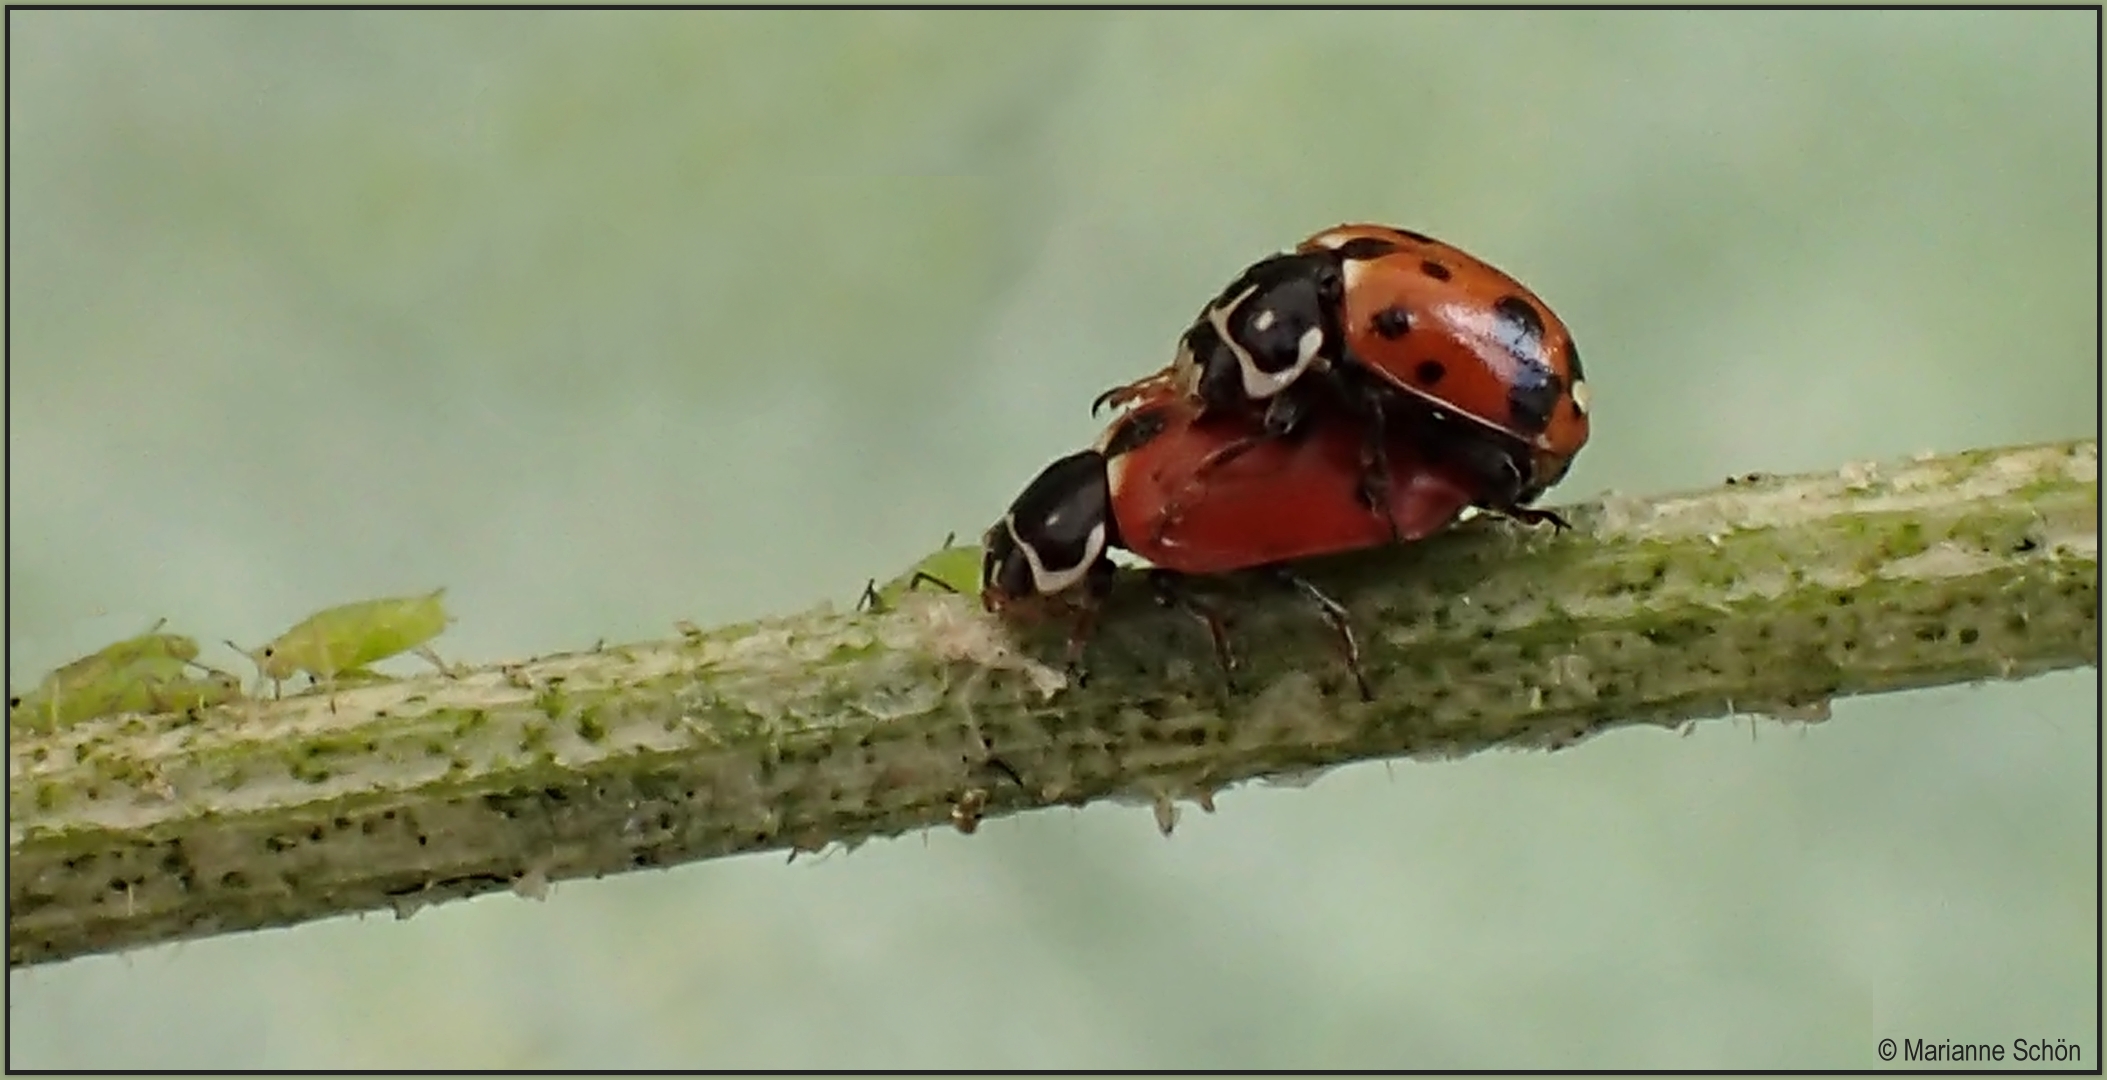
[[1362, 389]]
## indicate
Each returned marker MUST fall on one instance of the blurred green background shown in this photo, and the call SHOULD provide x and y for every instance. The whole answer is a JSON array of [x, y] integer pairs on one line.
[[610, 319]]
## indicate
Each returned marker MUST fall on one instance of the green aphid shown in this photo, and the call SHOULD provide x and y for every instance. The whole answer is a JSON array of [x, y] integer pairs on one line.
[[190, 692], [151, 645], [951, 569], [342, 640], [148, 684], [105, 680]]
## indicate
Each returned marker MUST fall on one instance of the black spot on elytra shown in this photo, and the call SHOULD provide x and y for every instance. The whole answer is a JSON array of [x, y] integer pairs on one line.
[[1532, 397], [1429, 372], [1391, 322], [1536, 389], [1521, 329], [1363, 248], [1434, 270]]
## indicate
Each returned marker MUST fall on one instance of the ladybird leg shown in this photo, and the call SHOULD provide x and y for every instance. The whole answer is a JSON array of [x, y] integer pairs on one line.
[[1118, 396], [1336, 615], [1506, 499], [1097, 585], [1079, 633], [1374, 484], [1171, 592], [1287, 412], [1174, 507]]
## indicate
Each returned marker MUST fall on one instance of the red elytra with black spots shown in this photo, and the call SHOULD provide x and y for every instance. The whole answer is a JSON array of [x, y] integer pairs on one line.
[[1442, 325]]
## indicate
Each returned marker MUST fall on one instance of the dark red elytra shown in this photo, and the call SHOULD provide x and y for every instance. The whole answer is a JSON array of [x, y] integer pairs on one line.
[[1283, 500]]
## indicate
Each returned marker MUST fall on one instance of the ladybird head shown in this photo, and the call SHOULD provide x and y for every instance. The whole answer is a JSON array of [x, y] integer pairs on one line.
[[1053, 536]]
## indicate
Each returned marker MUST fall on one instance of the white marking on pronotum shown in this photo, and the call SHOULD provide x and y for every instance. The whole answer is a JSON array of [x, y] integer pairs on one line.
[[1218, 317], [1052, 581], [1306, 349], [1259, 384], [1581, 395]]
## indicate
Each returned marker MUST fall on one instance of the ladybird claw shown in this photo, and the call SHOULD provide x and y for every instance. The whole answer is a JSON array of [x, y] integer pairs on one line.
[[1375, 468], [1374, 493], [1117, 397]]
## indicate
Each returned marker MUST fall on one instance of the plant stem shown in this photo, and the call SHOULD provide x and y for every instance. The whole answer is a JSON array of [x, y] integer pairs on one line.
[[1770, 595]]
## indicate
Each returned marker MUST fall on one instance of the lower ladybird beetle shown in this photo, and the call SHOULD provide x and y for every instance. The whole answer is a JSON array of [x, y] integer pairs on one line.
[[1276, 501]]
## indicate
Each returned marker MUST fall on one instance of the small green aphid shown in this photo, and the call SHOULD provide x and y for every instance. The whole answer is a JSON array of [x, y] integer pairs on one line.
[[151, 645], [148, 684], [189, 692], [342, 640], [951, 569], [104, 681]]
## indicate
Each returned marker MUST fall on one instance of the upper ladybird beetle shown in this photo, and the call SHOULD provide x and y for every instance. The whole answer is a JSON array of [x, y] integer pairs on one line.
[[1402, 330]]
